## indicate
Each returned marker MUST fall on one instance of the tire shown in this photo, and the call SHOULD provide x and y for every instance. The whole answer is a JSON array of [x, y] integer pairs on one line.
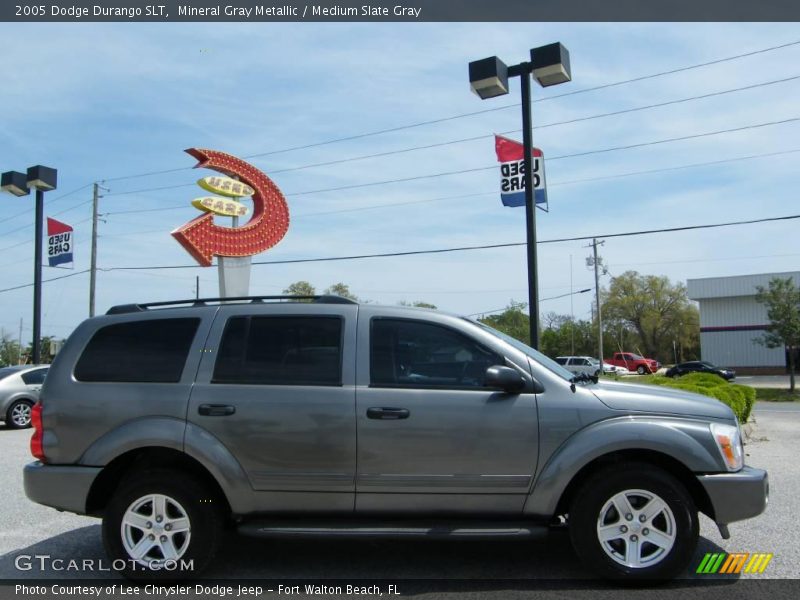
[[640, 369], [633, 550], [598, 373], [18, 415], [183, 502]]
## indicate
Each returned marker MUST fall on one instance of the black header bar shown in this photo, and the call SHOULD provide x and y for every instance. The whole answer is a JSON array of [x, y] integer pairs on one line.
[[400, 10]]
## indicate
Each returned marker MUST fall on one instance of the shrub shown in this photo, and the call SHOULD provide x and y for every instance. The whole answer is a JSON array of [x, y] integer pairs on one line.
[[703, 379], [739, 397], [749, 399]]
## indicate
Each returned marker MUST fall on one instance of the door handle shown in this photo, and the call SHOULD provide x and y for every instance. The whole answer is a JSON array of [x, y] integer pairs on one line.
[[216, 410], [387, 413]]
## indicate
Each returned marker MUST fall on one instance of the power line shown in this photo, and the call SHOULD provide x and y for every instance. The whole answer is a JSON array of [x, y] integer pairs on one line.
[[445, 250], [493, 192], [28, 241], [19, 287], [478, 169], [479, 112], [50, 201], [542, 126], [494, 310], [478, 247]]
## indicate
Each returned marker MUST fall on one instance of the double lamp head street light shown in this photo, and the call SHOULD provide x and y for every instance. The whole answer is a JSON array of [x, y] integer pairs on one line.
[[488, 78], [42, 179]]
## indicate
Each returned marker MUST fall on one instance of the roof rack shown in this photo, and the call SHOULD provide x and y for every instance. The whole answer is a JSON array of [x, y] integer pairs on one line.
[[141, 307]]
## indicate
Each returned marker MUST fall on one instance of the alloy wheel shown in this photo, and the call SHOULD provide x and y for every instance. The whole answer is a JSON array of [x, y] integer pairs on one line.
[[636, 528], [155, 529]]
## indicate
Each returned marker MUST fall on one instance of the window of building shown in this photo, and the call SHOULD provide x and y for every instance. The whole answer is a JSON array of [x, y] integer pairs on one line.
[[281, 351], [152, 351], [415, 354]]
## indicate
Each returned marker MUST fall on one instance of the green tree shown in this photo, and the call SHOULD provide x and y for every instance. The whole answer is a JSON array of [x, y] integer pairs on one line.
[[341, 289], [782, 300], [512, 321], [300, 288], [9, 350], [417, 304], [656, 311]]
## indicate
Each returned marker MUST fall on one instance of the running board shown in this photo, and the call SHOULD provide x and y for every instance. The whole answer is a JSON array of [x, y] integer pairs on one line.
[[462, 530]]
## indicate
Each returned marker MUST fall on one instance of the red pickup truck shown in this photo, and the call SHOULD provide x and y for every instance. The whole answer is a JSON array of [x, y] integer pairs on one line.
[[634, 362]]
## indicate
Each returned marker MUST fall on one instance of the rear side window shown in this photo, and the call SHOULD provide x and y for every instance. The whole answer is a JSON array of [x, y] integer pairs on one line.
[[151, 351], [34, 377], [280, 351]]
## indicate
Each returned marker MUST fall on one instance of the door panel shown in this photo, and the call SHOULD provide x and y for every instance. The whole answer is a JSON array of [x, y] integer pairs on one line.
[[458, 445], [286, 409]]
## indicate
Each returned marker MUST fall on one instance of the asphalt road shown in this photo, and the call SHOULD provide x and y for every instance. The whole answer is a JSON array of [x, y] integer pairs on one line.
[[481, 568]]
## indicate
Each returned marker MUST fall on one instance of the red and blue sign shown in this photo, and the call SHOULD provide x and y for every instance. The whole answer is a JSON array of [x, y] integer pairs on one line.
[[510, 155], [59, 242]]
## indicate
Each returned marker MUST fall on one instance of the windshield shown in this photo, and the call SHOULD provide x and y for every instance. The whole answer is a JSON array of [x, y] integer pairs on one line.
[[537, 356]]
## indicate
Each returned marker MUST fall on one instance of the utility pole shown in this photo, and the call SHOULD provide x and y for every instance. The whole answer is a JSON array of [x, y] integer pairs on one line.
[[93, 268], [596, 262], [197, 287], [571, 312], [19, 346]]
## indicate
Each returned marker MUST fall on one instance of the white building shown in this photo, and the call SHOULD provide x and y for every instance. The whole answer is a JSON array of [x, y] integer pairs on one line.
[[730, 320]]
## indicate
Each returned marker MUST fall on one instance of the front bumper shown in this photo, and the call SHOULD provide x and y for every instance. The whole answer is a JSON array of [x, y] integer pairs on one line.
[[64, 487], [736, 496]]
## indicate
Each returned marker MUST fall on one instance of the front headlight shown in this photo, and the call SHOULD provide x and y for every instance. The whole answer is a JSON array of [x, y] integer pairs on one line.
[[729, 442]]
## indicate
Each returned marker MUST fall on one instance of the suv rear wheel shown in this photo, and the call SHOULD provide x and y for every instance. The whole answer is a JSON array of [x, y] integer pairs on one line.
[[162, 524], [634, 521]]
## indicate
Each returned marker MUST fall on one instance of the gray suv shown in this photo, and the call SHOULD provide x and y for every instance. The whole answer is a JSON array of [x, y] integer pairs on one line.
[[318, 416]]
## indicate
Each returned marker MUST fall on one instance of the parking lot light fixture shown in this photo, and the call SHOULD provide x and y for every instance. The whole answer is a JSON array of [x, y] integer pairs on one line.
[[42, 179], [488, 78], [15, 183]]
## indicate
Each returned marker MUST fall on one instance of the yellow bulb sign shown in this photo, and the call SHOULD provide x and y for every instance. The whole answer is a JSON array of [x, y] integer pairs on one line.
[[220, 206], [225, 186]]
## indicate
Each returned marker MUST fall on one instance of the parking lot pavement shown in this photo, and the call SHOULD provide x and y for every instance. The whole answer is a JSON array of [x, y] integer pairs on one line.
[[765, 381], [30, 529]]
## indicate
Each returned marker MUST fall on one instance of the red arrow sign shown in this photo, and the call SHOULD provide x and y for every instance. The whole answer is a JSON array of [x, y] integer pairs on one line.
[[267, 226]]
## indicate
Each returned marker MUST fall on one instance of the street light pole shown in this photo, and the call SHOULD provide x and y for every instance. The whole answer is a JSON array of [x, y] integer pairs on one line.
[[41, 179], [37, 280], [488, 79], [530, 205]]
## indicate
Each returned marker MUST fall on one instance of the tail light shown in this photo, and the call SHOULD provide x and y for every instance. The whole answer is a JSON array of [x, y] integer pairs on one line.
[[38, 433]]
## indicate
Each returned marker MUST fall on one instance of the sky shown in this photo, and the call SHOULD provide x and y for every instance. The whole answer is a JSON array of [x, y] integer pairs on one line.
[[105, 102]]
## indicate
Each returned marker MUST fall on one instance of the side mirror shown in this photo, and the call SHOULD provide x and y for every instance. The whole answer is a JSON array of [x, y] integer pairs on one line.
[[504, 378]]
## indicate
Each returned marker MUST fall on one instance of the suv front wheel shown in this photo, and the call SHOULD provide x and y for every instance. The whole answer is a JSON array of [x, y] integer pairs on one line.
[[633, 522], [162, 524]]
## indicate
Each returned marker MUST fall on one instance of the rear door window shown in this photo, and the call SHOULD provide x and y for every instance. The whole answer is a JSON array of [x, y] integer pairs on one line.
[[303, 350], [148, 351]]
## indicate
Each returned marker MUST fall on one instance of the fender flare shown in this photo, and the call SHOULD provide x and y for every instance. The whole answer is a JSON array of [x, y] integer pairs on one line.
[[176, 434], [686, 441]]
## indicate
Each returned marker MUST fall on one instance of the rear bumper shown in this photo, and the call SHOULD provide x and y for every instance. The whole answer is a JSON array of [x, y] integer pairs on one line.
[[63, 487], [737, 496]]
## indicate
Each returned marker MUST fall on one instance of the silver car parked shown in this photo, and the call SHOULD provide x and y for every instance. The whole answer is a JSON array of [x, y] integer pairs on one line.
[[19, 391]]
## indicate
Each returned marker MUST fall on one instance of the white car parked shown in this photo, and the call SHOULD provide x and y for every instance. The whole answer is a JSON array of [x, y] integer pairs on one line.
[[580, 364]]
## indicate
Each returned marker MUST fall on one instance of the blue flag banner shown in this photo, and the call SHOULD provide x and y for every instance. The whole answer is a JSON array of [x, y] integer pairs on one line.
[[59, 242], [510, 155]]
